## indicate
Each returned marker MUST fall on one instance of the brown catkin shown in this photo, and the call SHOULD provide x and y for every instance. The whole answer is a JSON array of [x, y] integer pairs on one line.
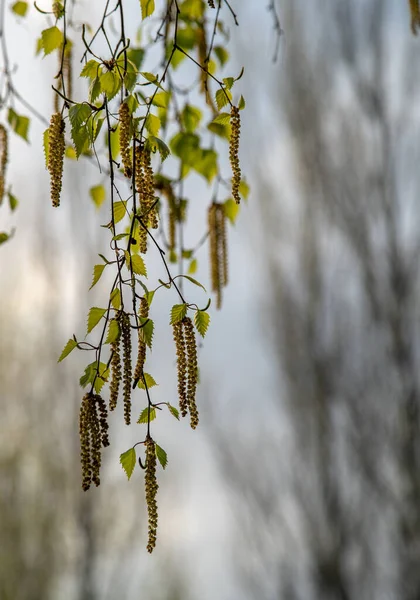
[[140, 188], [181, 353], [3, 160], [93, 430], [114, 386], [56, 147], [141, 353], [415, 15], [151, 486], [216, 284], [149, 189], [68, 71], [235, 122], [222, 241], [192, 366], [125, 118], [126, 343]]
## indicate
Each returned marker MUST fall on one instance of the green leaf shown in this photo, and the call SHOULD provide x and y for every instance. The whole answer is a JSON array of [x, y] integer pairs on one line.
[[149, 297], [191, 117], [161, 99], [19, 124], [244, 189], [231, 210], [98, 194], [152, 124], [20, 8], [91, 69], [178, 312], [116, 299], [71, 345], [81, 139], [71, 153], [241, 104], [144, 416], [136, 55], [223, 131], [161, 456], [222, 97], [78, 114], [222, 54], [147, 8], [128, 461], [110, 84], [52, 39], [202, 321], [150, 77], [13, 201], [113, 332], [94, 89], [136, 264], [174, 411], [119, 211], [97, 272], [155, 144], [95, 315], [90, 375], [146, 331], [193, 266], [222, 119], [150, 382], [4, 237], [206, 165], [194, 281]]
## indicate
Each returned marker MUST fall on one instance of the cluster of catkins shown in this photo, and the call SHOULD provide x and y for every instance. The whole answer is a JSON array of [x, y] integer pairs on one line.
[[218, 250], [3, 159], [186, 352], [93, 429]]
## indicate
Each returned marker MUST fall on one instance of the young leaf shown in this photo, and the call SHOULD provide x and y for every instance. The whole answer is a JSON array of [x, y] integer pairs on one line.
[[97, 272], [152, 124], [19, 124], [174, 411], [146, 331], [222, 118], [128, 461], [13, 201], [137, 264], [20, 8], [71, 345], [90, 69], [161, 455], [149, 297], [52, 39], [194, 281], [193, 266], [222, 97], [150, 382], [241, 104], [231, 210], [147, 8], [95, 315], [202, 321], [222, 54], [116, 299], [144, 416], [155, 144], [178, 312], [113, 332], [97, 193], [119, 211]]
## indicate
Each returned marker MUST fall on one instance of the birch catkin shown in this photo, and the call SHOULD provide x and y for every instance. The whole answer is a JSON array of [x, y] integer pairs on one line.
[[235, 122], [3, 160], [56, 147]]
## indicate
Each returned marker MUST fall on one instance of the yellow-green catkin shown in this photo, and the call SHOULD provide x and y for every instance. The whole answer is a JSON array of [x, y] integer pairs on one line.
[[4, 153], [114, 386], [151, 486], [141, 352], [56, 149], [149, 190], [68, 71], [126, 343], [218, 250], [235, 122], [93, 430], [125, 125], [415, 15], [140, 188], [181, 354], [192, 367]]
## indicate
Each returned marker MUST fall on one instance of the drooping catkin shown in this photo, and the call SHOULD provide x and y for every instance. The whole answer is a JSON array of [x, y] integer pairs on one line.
[[68, 71], [93, 430], [126, 343], [192, 366], [141, 352], [415, 15], [3, 160], [141, 190], [114, 386], [235, 122], [149, 190], [152, 487], [125, 122], [56, 155], [218, 250], [181, 353]]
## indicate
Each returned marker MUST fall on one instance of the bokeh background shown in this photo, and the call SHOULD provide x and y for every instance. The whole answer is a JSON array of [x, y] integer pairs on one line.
[[303, 480]]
